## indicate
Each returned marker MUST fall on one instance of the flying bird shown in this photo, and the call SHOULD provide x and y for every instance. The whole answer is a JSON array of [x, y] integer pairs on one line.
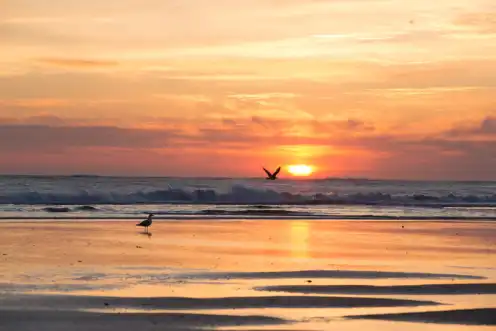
[[271, 176], [146, 223]]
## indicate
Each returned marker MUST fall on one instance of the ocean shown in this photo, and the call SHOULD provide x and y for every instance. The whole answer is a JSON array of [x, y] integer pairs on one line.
[[95, 197]]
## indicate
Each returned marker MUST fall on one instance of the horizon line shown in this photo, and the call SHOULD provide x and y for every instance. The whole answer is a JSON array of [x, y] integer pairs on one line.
[[295, 178]]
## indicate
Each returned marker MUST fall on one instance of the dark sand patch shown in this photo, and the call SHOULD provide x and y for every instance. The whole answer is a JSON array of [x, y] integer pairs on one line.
[[339, 274], [184, 303], [424, 289], [483, 316], [75, 320], [16, 288]]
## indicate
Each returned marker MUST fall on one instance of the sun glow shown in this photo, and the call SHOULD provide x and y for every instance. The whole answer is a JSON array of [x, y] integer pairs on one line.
[[300, 170]]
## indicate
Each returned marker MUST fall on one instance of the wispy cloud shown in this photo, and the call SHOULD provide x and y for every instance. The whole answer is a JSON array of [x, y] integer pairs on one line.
[[77, 63], [34, 103], [34, 20], [482, 22]]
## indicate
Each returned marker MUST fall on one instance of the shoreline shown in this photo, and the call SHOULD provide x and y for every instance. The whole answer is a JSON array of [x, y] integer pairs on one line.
[[258, 218]]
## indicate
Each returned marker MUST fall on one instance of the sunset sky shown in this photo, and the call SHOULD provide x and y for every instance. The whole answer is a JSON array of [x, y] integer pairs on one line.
[[356, 88]]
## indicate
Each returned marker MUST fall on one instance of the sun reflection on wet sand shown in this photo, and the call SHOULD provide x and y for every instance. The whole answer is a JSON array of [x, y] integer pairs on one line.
[[300, 236]]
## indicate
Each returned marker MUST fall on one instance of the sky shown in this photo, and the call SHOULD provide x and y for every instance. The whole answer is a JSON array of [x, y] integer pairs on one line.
[[355, 88]]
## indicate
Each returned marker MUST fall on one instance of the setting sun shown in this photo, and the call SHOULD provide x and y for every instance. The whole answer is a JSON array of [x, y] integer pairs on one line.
[[300, 170]]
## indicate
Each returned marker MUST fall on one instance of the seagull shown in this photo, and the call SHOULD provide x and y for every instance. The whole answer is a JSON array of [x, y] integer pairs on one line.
[[272, 176], [146, 223]]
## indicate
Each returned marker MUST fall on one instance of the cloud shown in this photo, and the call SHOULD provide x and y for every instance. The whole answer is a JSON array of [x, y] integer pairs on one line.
[[56, 20], [481, 22], [77, 63], [26, 34], [259, 120], [36, 138], [48, 131], [385, 37], [229, 122], [34, 102], [486, 127], [280, 126], [370, 153], [440, 159], [49, 120], [264, 96], [357, 125]]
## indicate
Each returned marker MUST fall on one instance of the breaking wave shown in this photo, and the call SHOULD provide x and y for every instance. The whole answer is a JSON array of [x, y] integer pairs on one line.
[[67, 209], [240, 195]]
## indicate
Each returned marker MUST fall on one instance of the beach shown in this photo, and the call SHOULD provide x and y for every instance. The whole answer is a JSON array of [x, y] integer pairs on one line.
[[248, 275]]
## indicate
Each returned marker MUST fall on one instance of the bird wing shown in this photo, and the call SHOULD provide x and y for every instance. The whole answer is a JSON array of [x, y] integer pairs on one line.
[[267, 172], [143, 222], [277, 171]]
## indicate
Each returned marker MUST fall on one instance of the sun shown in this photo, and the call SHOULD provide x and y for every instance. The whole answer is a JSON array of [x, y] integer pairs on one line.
[[300, 170]]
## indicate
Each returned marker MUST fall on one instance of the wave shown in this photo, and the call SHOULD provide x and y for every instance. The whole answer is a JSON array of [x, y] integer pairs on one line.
[[57, 209], [241, 195], [257, 212], [67, 209]]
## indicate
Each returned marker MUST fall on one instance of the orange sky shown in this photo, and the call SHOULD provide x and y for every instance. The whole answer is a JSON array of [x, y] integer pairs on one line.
[[369, 88]]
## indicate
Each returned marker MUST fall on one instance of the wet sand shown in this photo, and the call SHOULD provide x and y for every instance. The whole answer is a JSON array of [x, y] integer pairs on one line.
[[485, 316], [426, 289], [247, 275]]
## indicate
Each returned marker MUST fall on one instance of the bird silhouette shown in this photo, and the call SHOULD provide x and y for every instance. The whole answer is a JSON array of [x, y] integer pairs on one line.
[[146, 223], [272, 176]]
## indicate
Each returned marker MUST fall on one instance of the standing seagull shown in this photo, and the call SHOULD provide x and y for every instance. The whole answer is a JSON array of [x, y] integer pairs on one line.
[[272, 176], [146, 223]]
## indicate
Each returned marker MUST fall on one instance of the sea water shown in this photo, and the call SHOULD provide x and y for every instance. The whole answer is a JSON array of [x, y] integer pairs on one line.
[[95, 197]]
